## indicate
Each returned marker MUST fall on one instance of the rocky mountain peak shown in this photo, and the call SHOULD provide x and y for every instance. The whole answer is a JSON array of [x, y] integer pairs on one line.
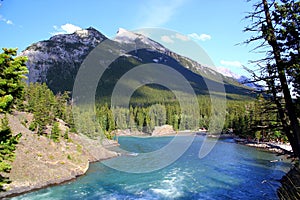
[[128, 37], [85, 36], [125, 36], [63, 53]]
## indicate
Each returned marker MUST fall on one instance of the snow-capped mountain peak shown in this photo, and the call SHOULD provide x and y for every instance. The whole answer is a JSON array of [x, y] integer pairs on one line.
[[227, 72], [239, 78], [128, 37], [84, 36], [125, 36]]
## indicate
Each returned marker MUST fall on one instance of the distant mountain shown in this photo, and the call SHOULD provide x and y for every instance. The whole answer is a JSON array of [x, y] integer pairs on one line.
[[246, 81], [228, 73], [57, 60], [240, 78]]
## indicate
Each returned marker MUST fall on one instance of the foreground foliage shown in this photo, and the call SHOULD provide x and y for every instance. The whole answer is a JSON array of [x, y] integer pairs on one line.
[[7, 148], [276, 23], [12, 73]]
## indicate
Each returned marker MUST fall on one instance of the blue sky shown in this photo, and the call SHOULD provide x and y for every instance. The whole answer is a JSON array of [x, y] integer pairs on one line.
[[215, 25]]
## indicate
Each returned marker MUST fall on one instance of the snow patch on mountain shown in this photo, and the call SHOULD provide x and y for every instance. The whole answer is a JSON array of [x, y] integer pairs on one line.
[[128, 37], [124, 36], [239, 78], [82, 33], [227, 72], [140, 41]]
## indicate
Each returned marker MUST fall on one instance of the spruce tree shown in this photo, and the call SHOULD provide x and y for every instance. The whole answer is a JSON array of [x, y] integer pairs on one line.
[[12, 73], [277, 26]]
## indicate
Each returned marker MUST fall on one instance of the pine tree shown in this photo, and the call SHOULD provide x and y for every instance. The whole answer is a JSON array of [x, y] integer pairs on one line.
[[7, 147], [12, 73], [41, 102], [277, 25], [55, 132], [140, 119]]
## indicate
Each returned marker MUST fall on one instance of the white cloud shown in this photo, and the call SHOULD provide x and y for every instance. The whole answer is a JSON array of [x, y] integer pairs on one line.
[[166, 39], [202, 37], [7, 21], [181, 37], [231, 63], [65, 29], [170, 39], [157, 13]]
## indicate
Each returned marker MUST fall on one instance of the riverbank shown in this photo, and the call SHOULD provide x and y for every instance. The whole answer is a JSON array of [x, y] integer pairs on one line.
[[167, 130], [280, 148], [40, 162]]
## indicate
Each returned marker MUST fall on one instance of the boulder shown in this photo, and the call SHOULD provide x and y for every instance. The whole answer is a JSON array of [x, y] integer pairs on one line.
[[163, 130]]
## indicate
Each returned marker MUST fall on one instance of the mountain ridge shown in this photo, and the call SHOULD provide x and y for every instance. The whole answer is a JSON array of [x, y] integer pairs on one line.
[[57, 60]]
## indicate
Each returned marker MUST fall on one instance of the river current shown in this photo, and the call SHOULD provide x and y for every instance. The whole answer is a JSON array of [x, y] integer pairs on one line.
[[229, 171]]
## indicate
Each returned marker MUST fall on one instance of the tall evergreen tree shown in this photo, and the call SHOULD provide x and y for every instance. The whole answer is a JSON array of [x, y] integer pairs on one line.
[[12, 73], [277, 24]]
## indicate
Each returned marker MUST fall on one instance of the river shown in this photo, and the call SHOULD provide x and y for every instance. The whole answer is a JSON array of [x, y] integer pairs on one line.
[[229, 171]]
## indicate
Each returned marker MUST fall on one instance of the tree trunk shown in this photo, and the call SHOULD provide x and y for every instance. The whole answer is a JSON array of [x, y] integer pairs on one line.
[[291, 111], [282, 114]]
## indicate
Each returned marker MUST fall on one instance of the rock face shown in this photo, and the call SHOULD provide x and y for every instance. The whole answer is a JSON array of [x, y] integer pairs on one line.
[[128, 132], [57, 60], [41, 162], [163, 130]]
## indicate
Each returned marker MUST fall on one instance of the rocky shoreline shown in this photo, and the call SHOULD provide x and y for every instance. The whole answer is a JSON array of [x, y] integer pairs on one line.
[[279, 148], [167, 130]]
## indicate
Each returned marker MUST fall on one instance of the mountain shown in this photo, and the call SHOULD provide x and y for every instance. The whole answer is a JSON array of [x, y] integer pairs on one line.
[[228, 73], [240, 78], [56, 62], [247, 81]]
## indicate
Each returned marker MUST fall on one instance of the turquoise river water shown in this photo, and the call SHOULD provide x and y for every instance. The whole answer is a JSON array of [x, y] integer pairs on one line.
[[229, 171]]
